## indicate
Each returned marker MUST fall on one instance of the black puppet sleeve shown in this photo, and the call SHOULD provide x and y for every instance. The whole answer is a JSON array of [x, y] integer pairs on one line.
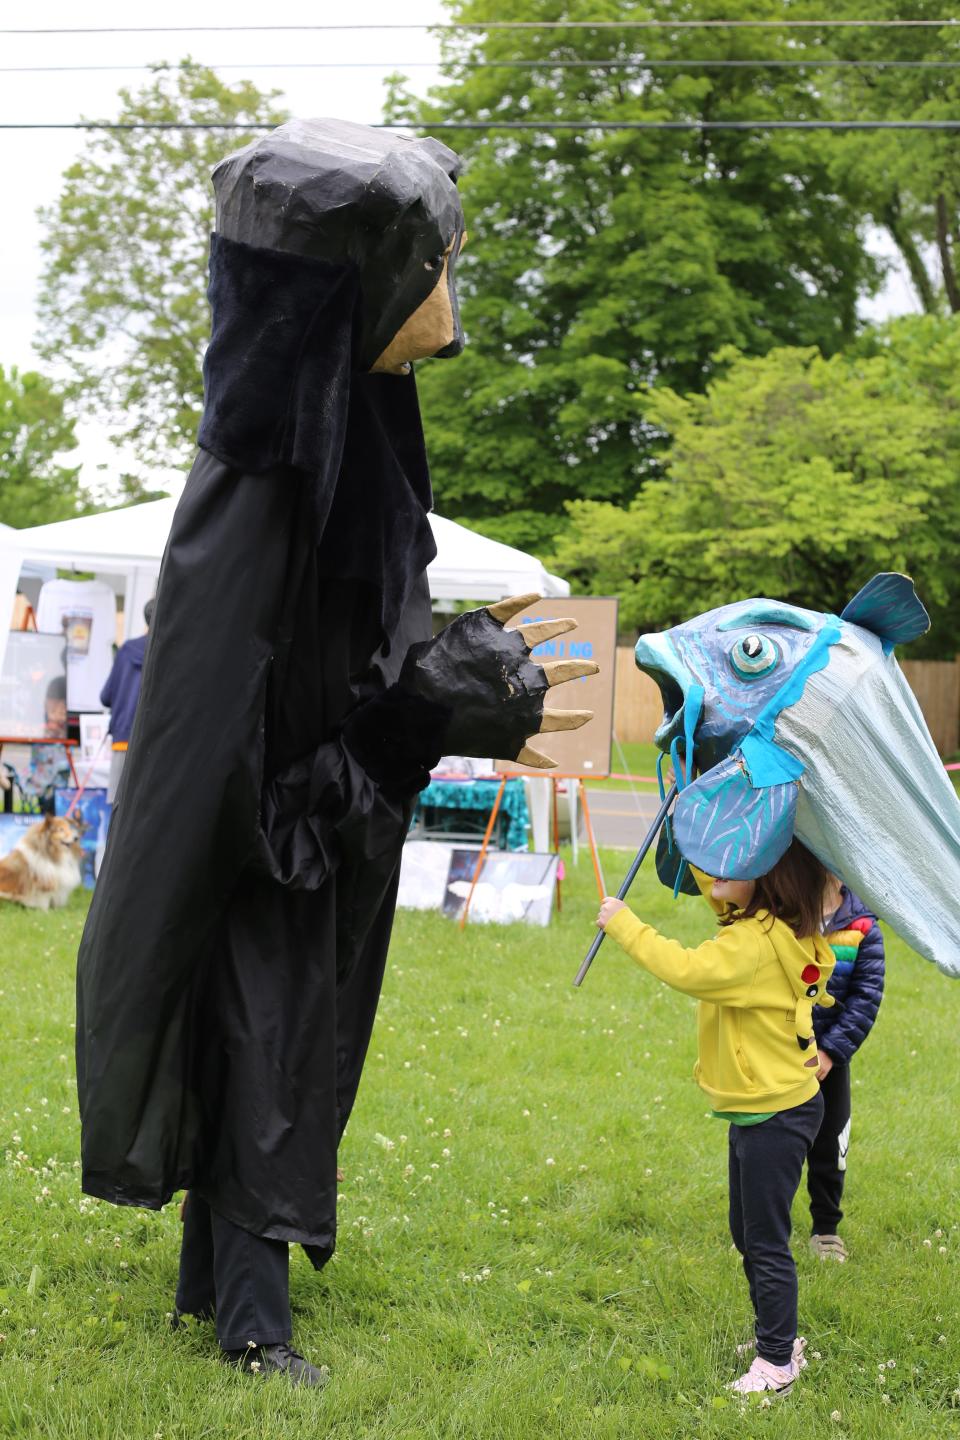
[[471, 690]]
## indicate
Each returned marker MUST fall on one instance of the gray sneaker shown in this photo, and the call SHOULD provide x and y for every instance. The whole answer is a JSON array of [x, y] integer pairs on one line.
[[828, 1247]]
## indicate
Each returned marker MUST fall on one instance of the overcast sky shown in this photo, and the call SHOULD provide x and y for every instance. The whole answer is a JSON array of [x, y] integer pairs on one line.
[[32, 162]]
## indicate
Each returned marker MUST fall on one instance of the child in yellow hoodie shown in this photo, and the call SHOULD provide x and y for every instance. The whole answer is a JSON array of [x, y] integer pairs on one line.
[[757, 982]]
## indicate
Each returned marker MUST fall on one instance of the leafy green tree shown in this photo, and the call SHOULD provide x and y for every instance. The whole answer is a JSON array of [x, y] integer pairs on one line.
[[908, 181], [122, 300], [602, 263], [34, 487], [794, 476]]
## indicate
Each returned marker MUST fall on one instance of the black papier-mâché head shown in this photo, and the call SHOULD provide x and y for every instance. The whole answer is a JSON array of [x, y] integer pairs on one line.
[[335, 191]]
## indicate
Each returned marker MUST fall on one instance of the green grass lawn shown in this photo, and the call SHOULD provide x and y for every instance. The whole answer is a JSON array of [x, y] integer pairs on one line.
[[533, 1239]]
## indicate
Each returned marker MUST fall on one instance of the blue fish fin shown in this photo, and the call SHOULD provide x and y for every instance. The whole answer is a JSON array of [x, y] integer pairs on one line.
[[728, 828], [888, 605], [669, 863]]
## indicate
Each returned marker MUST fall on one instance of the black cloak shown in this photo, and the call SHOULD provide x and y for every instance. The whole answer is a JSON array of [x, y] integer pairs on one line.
[[232, 958]]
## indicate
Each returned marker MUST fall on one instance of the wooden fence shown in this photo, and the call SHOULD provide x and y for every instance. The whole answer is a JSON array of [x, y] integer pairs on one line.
[[638, 709]]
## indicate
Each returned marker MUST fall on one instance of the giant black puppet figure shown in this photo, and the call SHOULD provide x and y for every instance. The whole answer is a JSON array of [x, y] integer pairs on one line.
[[292, 704]]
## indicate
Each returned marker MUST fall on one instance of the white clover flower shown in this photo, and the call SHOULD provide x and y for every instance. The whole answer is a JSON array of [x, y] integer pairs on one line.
[[927, 1244], [836, 1416], [550, 1160], [942, 1249]]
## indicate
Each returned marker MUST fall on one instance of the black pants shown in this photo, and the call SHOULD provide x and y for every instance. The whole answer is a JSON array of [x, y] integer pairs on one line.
[[766, 1163], [241, 1278], [827, 1162]]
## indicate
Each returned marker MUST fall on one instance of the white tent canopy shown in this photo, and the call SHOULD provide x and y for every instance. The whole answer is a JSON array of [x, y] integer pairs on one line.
[[128, 544]]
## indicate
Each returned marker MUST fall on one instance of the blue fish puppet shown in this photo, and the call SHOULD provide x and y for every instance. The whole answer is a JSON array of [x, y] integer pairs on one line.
[[801, 723]]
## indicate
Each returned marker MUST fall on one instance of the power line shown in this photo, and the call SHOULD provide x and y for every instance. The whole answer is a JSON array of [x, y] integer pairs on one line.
[[582, 125], [630, 63], [484, 26]]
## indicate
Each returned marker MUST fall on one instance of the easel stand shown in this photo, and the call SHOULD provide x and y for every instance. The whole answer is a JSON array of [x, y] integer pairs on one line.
[[483, 850], [544, 805]]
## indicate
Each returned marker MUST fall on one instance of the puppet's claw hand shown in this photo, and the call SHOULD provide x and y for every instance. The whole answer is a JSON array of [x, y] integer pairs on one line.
[[494, 692], [556, 672]]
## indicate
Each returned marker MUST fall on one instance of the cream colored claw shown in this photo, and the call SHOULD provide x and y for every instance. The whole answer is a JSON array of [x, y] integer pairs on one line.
[[505, 610], [544, 630], [557, 671], [532, 757], [564, 720]]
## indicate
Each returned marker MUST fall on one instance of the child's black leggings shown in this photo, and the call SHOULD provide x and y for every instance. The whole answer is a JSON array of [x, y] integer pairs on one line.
[[766, 1163]]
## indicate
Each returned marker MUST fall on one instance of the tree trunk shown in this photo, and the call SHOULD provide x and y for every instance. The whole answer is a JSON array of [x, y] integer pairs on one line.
[[946, 258], [892, 218]]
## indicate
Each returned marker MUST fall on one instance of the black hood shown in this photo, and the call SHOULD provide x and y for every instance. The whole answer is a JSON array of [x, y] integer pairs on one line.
[[330, 190]]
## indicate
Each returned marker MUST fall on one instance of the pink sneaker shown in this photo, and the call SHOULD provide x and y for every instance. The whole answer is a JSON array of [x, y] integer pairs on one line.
[[762, 1377]]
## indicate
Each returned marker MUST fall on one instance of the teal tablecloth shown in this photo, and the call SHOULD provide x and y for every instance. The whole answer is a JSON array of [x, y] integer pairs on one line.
[[479, 795]]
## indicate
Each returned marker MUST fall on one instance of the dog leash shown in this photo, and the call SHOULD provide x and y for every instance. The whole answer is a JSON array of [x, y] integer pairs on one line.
[[86, 779]]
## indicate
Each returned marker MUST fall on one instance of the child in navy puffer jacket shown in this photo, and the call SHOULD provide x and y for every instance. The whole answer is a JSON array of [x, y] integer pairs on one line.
[[857, 986]]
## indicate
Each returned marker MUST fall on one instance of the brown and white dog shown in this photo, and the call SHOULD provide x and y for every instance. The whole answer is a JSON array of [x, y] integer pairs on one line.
[[43, 869]]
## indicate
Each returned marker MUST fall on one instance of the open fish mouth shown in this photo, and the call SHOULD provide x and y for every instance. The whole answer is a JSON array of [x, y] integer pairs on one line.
[[671, 726], [657, 658]]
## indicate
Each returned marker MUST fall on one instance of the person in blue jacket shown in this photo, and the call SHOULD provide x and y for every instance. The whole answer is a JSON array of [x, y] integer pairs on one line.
[[857, 987], [120, 695]]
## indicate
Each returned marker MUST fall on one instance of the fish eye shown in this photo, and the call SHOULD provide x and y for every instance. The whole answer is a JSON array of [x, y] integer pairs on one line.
[[754, 656]]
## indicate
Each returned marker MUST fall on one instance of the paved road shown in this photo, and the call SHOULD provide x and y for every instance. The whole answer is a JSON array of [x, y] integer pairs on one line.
[[621, 818]]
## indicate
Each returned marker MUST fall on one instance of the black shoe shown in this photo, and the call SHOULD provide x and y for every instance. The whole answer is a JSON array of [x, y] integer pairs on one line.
[[278, 1359]]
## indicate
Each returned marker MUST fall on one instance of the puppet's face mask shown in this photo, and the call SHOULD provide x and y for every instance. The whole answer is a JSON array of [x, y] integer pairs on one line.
[[331, 190]]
